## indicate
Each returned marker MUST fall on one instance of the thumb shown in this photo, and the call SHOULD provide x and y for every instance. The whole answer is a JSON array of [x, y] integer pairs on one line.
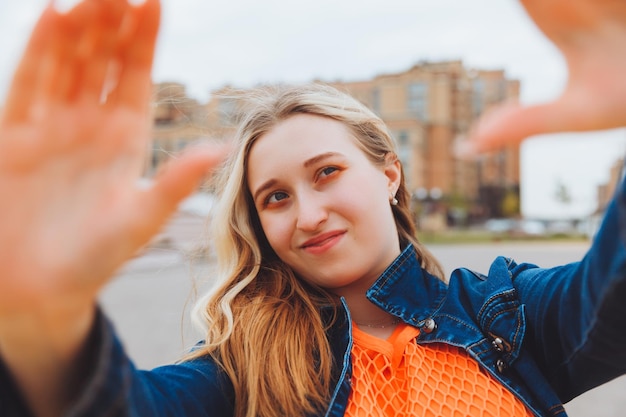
[[179, 179]]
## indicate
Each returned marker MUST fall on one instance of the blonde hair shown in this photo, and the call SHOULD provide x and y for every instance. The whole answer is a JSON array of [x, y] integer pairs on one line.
[[264, 325]]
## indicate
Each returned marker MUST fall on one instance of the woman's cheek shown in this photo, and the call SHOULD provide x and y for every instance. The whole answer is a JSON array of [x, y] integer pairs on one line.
[[277, 233]]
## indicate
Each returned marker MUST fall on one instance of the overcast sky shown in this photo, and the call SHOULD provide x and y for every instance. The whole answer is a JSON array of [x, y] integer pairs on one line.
[[206, 44]]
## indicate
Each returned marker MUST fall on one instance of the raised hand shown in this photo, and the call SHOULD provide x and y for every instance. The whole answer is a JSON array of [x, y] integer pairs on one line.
[[591, 34], [73, 141]]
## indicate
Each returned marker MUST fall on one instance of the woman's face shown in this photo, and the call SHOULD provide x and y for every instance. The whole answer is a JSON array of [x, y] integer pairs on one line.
[[323, 205]]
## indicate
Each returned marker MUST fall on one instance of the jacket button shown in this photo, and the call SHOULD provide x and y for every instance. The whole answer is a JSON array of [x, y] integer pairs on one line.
[[429, 326], [501, 365], [498, 344]]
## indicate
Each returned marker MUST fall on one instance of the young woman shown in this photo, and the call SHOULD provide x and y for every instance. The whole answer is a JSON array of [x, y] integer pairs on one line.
[[327, 303]]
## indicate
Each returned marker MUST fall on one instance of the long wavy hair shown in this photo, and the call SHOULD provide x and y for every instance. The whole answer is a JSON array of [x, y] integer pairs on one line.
[[264, 325]]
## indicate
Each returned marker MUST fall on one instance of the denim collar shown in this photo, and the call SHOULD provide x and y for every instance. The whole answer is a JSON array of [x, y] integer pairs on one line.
[[407, 291]]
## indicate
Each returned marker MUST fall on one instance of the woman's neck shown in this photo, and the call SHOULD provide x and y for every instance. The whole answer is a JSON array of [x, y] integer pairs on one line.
[[370, 318]]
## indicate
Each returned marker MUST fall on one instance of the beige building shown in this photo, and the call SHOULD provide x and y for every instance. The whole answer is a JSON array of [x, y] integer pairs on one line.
[[428, 108], [606, 191], [177, 122]]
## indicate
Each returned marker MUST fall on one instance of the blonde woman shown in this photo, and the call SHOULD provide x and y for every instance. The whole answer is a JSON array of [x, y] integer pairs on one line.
[[327, 304]]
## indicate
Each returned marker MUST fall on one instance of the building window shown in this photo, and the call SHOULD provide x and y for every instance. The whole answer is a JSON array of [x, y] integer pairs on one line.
[[376, 100], [404, 149], [403, 138], [502, 90], [417, 99], [478, 92]]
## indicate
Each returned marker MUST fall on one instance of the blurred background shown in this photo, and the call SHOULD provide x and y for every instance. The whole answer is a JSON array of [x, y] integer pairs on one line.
[[429, 69]]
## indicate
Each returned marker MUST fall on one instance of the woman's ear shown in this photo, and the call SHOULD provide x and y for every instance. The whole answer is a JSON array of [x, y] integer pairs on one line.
[[393, 171]]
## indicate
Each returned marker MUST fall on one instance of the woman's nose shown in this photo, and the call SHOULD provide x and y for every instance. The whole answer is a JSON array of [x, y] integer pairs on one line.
[[311, 214]]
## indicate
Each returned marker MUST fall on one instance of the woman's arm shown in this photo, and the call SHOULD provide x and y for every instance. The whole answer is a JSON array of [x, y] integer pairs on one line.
[[576, 313], [73, 139], [111, 386]]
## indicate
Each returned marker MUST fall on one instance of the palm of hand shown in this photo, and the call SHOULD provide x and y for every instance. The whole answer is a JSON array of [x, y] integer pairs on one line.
[[73, 143], [75, 197]]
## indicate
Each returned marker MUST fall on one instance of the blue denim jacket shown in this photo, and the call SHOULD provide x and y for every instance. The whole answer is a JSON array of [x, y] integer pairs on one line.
[[547, 334]]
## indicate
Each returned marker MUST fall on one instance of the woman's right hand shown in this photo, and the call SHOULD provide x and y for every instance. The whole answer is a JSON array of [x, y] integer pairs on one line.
[[73, 142]]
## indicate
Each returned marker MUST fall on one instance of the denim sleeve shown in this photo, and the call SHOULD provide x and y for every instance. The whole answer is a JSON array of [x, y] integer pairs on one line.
[[115, 388], [577, 312], [11, 401]]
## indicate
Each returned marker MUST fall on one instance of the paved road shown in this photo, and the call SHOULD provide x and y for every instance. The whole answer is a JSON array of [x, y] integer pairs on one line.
[[150, 300]]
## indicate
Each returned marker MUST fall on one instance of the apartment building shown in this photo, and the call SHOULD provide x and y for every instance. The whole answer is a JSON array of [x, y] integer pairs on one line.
[[428, 109], [607, 190], [178, 121]]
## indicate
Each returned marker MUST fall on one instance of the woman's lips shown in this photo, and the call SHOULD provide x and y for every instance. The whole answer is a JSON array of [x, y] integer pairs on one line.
[[323, 242]]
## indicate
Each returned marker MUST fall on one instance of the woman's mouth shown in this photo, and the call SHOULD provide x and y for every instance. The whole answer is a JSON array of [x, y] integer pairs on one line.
[[323, 242]]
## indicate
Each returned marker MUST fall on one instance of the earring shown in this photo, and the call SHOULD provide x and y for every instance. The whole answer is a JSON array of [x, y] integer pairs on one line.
[[394, 200]]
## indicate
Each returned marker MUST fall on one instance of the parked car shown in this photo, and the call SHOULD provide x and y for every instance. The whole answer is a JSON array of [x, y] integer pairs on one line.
[[515, 227]]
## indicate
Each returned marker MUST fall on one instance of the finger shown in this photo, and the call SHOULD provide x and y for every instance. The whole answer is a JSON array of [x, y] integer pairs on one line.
[[510, 124], [79, 48], [28, 72], [557, 18], [180, 178], [136, 54], [96, 55]]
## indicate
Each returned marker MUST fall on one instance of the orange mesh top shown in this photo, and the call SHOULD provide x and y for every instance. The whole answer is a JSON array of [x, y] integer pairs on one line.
[[398, 377]]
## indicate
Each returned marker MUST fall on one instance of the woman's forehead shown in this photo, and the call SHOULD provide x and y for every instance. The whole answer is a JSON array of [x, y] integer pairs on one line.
[[300, 137], [297, 142]]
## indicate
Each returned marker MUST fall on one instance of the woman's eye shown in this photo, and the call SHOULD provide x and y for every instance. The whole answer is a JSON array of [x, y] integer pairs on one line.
[[327, 171], [275, 197]]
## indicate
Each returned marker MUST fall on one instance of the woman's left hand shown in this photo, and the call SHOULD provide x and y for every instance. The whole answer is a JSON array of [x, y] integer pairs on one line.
[[591, 34]]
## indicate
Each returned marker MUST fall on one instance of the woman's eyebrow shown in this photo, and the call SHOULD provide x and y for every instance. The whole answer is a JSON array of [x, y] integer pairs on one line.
[[266, 185], [320, 157]]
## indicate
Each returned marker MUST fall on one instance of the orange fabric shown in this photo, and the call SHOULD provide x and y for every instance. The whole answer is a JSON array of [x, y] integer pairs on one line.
[[398, 377]]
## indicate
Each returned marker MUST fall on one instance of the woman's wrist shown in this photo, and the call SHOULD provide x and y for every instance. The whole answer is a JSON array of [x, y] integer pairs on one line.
[[43, 349]]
